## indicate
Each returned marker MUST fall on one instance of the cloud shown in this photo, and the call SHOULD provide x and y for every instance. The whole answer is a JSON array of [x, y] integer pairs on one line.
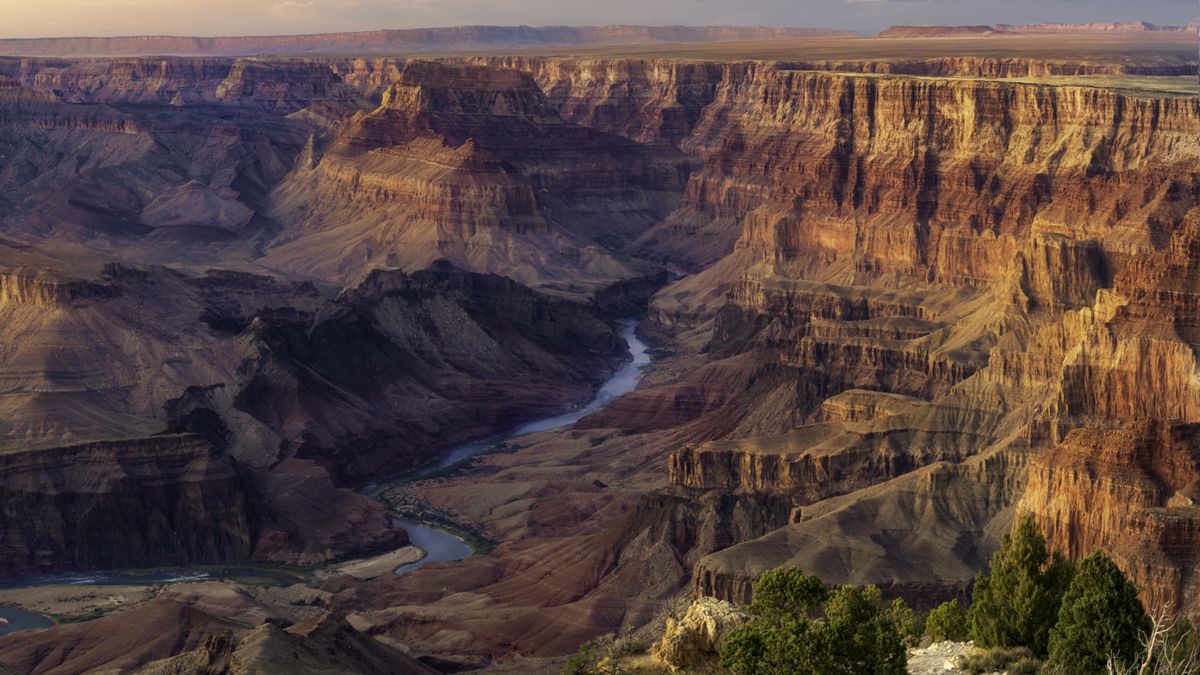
[[290, 9]]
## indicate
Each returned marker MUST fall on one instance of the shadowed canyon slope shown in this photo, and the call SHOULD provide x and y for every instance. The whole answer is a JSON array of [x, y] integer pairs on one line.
[[896, 300]]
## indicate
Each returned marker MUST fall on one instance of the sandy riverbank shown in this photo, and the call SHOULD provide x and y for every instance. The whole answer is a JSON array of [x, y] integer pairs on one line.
[[369, 568], [73, 601]]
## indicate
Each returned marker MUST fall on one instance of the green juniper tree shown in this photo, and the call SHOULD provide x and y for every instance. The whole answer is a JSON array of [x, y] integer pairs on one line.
[[1101, 618], [786, 591], [1016, 602], [857, 634], [947, 621], [906, 621]]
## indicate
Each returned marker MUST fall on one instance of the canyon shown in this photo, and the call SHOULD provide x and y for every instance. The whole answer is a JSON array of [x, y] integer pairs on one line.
[[900, 291]]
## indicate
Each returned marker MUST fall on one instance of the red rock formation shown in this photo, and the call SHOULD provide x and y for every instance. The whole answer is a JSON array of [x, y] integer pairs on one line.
[[1074, 310], [1109, 27], [1131, 492], [663, 99], [135, 503], [472, 165], [935, 31], [1124, 480]]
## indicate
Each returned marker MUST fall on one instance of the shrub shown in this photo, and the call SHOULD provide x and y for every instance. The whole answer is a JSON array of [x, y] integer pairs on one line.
[[786, 592], [1016, 602], [856, 635], [1101, 617], [1025, 666], [602, 656], [947, 621], [864, 636], [907, 623], [999, 660]]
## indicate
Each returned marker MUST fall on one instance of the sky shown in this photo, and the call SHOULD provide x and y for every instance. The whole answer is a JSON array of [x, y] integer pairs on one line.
[[39, 18]]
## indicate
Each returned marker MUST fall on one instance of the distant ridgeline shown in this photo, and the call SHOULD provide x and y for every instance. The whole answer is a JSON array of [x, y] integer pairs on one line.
[[1132, 27], [418, 40]]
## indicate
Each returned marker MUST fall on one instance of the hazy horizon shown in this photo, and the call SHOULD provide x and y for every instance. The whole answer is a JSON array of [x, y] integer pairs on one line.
[[102, 18]]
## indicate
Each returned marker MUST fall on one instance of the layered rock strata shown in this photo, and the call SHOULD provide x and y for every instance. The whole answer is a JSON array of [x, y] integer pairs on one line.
[[472, 165], [111, 504]]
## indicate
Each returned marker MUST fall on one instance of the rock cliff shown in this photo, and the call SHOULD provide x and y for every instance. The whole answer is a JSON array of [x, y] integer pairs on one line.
[[473, 165], [1075, 312], [284, 396], [401, 366], [967, 247], [136, 503]]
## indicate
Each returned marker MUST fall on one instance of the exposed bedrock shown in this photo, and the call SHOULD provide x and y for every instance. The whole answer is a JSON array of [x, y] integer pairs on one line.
[[279, 85], [145, 176], [615, 571], [909, 301], [1098, 402], [663, 99], [1131, 491], [23, 287], [939, 180], [403, 366], [473, 165], [285, 397], [136, 503]]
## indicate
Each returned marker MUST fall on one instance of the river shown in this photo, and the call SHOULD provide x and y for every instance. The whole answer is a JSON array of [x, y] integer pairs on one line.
[[438, 544], [442, 546], [157, 575], [15, 618]]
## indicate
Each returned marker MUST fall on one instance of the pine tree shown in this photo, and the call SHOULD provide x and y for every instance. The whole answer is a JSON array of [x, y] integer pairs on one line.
[[1101, 617], [1016, 602]]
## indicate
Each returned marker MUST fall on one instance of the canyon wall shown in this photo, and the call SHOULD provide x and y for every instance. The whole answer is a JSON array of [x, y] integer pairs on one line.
[[284, 398], [1015, 255], [473, 165], [112, 504]]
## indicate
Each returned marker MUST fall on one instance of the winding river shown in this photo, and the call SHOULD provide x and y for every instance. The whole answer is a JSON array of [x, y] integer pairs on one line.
[[13, 619], [440, 545]]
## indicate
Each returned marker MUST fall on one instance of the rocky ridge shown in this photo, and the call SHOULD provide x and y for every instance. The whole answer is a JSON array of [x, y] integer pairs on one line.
[[473, 165]]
